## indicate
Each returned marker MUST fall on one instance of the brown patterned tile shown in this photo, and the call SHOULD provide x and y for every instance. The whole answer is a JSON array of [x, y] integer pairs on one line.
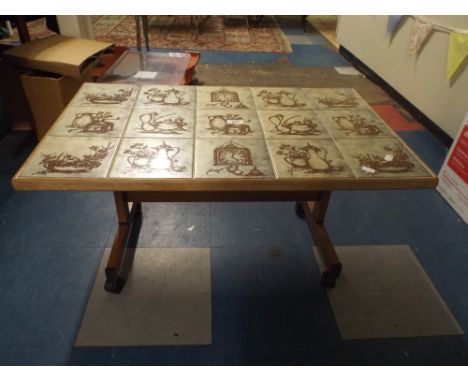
[[153, 158], [307, 158], [166, 96], [281, 99], [228, 98], [292, 124], [109, 95], [232, 158], [337, 98], [167, 122], [74, 158], [91, 121], [228, 123], [385, 157]]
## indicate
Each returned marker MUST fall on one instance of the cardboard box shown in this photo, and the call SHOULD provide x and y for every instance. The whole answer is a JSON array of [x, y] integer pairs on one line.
[[48, 94], [57, 54]]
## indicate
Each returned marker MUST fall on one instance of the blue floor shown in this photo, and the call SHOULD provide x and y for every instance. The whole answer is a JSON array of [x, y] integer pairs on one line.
[[267, 303]]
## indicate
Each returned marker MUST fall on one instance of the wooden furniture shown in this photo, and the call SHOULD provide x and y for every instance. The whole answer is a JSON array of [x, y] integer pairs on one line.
[[157, 143]]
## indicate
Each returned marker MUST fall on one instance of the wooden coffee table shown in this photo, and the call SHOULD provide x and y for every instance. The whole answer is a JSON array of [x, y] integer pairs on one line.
[[209, 144]]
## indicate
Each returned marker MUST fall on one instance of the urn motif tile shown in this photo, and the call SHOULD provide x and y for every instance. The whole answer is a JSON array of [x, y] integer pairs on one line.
[[75, 158], [292, 124], [228, 123], [386, 157], [109, 95], [281, 99], [232, 158], [153, 158], [307, 158], [227, 98], [166, 122], [355, 123], [152, 96], [338, 98], [91, 121]]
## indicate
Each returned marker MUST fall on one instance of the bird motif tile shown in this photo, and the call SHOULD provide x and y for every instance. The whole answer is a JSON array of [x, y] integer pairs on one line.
[[281, 99], [292, 124], [164, 122], [109, 95], [152, 96], [385, 157], [221, 123], [221, 97], [307, 158]]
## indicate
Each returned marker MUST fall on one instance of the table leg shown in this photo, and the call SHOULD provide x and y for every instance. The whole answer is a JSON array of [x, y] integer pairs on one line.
[[123, 248], [314, 213]]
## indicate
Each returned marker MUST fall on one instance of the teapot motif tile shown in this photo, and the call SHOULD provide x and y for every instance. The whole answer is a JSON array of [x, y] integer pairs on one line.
[[109, 95], [152, 96], [281, 99]]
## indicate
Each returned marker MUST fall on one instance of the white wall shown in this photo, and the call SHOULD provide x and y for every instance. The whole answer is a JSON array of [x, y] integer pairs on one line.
[[75, 26], [421, 80]]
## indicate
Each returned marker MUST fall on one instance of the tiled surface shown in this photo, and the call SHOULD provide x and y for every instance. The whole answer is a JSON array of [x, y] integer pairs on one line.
[[232, 128]]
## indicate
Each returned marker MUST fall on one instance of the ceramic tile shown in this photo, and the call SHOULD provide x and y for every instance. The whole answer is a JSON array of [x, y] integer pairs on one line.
[[292, 124], [75, 158], [166, 122], [220, 97], [232, 158], [385, 157], [153, 158], [224, 124], [110, 95], [281, 99], [91, 121], [355, 123], [307, 158], [167, 96], [338, 98]]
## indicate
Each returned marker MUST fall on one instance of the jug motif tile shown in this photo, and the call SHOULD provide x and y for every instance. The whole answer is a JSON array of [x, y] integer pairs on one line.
[[281, 99], [227, 98], [152, 96], [109, 95]]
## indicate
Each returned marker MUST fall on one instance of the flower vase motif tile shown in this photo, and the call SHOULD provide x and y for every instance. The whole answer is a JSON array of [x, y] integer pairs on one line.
[[232, 158], [153, 158], [91, 121], [355, 123], [335, 99], [385, 157], [109, 95], [157, 96], [164, 122], [286, 124], [77, 157], [281, 99], [224, 98], [307, 158], [220, 123]]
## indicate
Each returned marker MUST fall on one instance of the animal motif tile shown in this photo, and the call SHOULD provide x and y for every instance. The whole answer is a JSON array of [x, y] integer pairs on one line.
[[386, 157], [281, 99], [292, 124], [355, 123], [232, 158], [307, 158], [91, 121], [75, 157], [153, 158], [166, 122], [338, 98], [109, 95], [219, 123], [227, 98], [152, 96]]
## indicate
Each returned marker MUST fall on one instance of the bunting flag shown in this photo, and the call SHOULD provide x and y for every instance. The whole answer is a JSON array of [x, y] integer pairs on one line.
[[457, 53], [421, 32], [393, 22]]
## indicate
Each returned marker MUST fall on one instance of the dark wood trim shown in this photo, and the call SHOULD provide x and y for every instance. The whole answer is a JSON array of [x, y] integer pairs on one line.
[[413, 110]]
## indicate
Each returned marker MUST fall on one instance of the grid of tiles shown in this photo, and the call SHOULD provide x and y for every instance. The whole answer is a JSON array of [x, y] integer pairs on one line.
[[155, 131]]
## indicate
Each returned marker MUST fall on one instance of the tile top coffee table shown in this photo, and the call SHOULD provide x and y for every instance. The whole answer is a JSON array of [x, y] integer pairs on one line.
[[187, 143]]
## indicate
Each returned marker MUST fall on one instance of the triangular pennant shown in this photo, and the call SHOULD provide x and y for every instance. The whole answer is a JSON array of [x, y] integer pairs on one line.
[[393, 22], [421, 31], [457, 53]]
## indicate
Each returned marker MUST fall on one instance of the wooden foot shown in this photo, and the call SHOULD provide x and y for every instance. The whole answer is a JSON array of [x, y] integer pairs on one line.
[[122, 252], [314, 213]]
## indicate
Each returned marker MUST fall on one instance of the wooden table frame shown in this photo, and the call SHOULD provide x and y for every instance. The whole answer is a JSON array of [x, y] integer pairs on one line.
[[310, 205]]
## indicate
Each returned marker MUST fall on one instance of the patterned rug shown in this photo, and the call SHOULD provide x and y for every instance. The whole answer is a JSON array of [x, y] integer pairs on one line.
[[176, 32]]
